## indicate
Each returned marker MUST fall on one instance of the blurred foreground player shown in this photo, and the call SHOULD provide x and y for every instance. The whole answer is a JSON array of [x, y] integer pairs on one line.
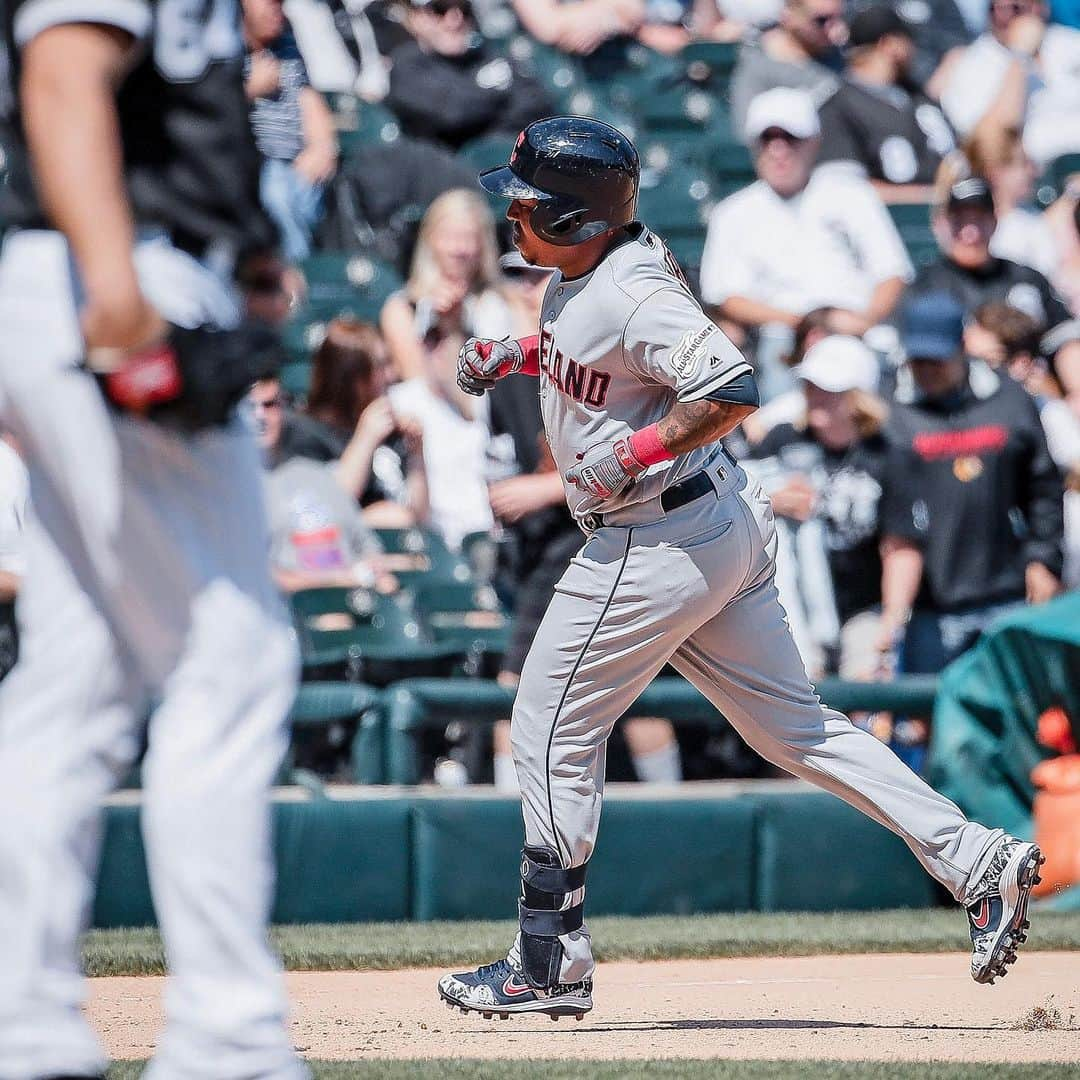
[[133, 187], [637, 387]]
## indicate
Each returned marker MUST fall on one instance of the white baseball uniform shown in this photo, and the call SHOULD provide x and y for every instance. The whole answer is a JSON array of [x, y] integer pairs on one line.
[[147, 586], [691, 585]]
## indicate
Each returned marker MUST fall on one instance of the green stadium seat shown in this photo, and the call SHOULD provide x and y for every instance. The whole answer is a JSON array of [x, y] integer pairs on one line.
[[910, 215], [1052, 183], [339, 283], [468, 616], [679, 106], [558, 73], [295, 378], [371, 124], [710, 62], [326, 721], [419, 556], [676, 205], [487, 151], [912, 221], [362, 635], [731, 166], [301, 336]]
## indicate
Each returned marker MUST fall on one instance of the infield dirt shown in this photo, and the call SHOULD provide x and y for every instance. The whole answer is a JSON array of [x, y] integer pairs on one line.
[[886, 1007]]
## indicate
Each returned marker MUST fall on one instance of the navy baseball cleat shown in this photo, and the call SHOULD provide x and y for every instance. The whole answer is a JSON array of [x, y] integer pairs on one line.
[[997, 908], [500, 989]]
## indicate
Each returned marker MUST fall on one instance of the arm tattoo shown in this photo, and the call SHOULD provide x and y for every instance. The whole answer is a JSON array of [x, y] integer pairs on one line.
[[691, 424]]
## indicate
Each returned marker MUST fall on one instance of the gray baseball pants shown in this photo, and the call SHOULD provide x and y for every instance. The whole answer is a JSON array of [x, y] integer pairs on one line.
[[147, 582], [695, 588]]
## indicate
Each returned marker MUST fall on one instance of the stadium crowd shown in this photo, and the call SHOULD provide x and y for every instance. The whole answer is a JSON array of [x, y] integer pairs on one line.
[[879, 203]]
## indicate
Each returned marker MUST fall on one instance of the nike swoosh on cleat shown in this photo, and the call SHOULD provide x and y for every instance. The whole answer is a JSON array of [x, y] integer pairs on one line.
[[513, 988], [982, 918]]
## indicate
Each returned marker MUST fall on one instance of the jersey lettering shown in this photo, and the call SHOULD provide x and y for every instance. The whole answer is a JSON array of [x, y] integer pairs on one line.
[[190, 35], [571, 378], [596, 391]]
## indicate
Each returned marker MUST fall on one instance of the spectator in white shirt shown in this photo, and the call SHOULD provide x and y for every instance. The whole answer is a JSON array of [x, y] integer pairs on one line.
[[1021, 73], [799, 239]]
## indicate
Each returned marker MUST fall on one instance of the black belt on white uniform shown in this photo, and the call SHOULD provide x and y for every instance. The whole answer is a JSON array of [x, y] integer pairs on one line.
[[685, 491]]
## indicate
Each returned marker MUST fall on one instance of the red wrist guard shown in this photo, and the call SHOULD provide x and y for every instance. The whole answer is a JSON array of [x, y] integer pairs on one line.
[[647, 447], [530, 348]]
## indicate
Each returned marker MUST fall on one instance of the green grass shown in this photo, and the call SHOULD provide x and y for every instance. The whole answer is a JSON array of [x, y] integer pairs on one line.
[[662, 1070], [385, 946]]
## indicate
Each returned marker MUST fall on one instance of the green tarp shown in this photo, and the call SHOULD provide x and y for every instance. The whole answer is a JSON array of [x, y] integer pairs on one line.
[[983, 745]]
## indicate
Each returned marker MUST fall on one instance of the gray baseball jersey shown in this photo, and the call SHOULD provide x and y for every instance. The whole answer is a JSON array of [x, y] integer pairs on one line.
[[618, 347], [692, 586]]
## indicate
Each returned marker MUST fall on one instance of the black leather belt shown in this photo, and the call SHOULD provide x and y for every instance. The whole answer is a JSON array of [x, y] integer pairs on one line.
[[686, 491]]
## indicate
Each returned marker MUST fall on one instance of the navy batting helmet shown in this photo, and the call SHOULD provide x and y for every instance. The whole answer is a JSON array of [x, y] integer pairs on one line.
[[582, 173]]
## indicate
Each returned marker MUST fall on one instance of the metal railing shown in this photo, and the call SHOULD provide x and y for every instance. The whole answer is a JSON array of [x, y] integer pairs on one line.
[[390, 722]]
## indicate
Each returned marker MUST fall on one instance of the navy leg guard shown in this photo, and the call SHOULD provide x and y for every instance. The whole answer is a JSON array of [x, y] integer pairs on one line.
[[544, 888]]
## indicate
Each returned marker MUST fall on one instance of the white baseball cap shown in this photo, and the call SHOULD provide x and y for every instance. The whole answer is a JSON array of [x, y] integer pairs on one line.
[[783, 107], [839, 363]]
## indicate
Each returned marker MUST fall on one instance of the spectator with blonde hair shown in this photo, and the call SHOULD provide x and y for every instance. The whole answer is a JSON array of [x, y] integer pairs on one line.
[[453, 293], [453, 288]]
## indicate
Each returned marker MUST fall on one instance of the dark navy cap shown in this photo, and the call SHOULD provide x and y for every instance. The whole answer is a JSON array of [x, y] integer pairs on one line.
[[932, 326], [868, 25]]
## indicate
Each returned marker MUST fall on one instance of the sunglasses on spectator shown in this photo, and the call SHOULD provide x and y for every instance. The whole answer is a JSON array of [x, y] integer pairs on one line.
[[269, 403], [771, 134], [1014, 7], [444, 7], [824, 20]]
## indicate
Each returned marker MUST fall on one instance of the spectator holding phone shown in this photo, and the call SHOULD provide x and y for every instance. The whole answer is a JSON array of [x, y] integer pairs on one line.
[[453, 288]]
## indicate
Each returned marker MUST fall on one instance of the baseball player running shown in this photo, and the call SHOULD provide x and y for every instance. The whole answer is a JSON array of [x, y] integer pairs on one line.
[[637, 387], [133, 184]]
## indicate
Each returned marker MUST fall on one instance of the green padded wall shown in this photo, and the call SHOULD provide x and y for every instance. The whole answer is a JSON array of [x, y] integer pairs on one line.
[[466, 853], [456, 856], [653, 856], [816, 853], [338, 861], [342, 860], [123, 895]]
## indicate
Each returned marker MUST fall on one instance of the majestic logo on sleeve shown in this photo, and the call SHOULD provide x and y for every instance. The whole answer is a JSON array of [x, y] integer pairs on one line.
[[573, 379]]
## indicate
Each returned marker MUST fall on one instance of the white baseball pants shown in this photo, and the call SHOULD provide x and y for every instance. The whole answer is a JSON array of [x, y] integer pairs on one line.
[[147, 583], [696, 589]]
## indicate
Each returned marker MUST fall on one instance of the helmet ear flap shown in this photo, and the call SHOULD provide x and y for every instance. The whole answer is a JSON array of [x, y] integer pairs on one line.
[[559, 223]]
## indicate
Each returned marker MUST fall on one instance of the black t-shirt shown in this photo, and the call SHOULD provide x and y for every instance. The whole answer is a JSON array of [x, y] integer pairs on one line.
[[971, 482], [516, 423], [189, 155], [305, 437], [849, 486], [452, 99], [896, 136], [1001, 280]]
